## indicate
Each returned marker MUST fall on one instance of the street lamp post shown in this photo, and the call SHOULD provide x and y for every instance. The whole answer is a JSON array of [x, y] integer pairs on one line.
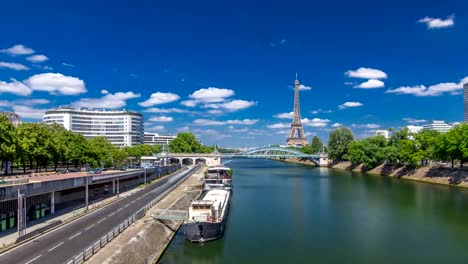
[[87, 190]]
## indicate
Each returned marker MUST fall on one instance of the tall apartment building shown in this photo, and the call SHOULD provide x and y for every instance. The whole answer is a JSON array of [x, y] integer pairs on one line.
[[465, 102], [157, 139], [120, 127], [438, 125]]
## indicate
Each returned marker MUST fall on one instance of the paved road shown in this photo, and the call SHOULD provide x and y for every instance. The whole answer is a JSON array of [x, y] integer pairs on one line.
[[63, 243]]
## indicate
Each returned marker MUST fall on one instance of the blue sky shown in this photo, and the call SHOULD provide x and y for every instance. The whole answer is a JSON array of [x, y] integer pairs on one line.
[[224, 69]]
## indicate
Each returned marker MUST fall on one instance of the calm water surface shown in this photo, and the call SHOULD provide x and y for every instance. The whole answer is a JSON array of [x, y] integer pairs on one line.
[[289, 213]]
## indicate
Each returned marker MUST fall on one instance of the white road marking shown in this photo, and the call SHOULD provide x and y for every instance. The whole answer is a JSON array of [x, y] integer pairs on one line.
[[111, 214], [101, 220], [89, 227], [59, 244], [120, 210], [75, 235], [33, 259], [126, 205]]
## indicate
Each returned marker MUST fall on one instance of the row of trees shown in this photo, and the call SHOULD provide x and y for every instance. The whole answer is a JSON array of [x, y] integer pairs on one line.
[[403, 147], [187, 143], [36, 145]]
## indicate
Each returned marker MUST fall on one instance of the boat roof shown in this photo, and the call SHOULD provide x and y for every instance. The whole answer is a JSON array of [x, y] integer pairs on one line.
[[219, 168]]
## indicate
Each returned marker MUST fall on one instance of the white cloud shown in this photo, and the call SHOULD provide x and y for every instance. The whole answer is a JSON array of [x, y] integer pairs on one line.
[[369, 126], [28, 112], [183, 129], [110, 101], [279, 125], [432, 23], [32, 102], [56, 83], [314, 112], [5, 103], [165, 110], [37, 58], [67, 64], [162, 119], [337, 125], [371, 84], [209, 122], [189, 103], [433, 90], [13, 66], [160, 98], [350, 104], [231, 106], [410, 120], [104, 91], [15, 87], [304, 87], [18, 50], [156, 128], [211, 95], [315, 122], [289, 115], [366, 73]]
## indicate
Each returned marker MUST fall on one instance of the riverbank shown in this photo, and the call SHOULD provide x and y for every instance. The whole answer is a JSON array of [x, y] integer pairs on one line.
[[437, 175], [146, 240]]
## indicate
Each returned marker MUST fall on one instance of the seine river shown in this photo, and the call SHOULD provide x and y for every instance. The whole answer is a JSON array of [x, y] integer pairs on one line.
[[288, 213]]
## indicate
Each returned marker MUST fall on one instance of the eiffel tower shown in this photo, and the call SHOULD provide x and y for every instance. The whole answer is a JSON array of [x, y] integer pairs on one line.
[[296, 126]]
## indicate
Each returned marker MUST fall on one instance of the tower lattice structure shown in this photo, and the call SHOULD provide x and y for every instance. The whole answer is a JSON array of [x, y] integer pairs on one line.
[[296, 126]]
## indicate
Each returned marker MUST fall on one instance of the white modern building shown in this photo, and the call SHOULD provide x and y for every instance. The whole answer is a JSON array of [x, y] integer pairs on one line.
[[120, 127], [157, 139], [438, 125], [465, 102], [414, 129], [384, 133]]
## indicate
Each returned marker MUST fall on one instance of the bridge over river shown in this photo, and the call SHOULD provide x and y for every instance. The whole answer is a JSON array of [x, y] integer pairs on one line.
[[216, 158]]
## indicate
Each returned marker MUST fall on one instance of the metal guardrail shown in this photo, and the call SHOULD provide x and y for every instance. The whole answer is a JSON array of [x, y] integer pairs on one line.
[[97, 245]]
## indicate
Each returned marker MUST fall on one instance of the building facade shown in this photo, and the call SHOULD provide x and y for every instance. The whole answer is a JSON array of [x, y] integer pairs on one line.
[[121, 128], [438, 125], [157, 139], [384, 133], [414, 129], [465, 102], [12, 117]]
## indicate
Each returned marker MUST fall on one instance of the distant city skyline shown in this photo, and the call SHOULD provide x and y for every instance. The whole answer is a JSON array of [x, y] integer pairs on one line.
[[226, 71]]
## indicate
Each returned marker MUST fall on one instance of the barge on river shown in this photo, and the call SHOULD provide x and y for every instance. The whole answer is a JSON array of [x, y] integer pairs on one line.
[[217, 178], [207, 217]]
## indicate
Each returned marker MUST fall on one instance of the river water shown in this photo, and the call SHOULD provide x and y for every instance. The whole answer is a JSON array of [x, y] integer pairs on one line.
[[291, 213]]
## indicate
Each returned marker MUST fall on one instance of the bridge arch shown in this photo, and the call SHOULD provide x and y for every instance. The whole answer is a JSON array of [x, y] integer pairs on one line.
[[187, 161]]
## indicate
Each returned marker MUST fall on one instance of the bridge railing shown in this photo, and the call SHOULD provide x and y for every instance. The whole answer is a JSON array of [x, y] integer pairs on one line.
[[97, 245]]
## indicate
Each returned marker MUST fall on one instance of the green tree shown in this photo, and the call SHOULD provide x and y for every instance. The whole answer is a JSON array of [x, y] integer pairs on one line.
[[188, 143], [7, 142], [316, 146], [338, 143]]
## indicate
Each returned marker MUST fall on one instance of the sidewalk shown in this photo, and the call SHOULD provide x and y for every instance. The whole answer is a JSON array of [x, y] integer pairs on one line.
[[62, 216], [145, 240]]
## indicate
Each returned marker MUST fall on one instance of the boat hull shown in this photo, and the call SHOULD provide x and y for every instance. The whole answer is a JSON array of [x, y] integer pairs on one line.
[[205, 231]]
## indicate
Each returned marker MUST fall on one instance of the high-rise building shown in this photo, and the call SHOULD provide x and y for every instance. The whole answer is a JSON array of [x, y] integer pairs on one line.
[[465, 102], [438, 125], [414, 129], [296, 136], [157, 139], [12, 117], [121, 128]]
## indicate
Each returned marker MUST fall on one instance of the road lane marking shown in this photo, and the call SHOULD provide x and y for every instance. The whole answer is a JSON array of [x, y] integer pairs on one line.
[[102, 220], [59, 244], [112, 214], [75, 235], [89, 227], [126, 205], [120, 210], [33, 259]]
